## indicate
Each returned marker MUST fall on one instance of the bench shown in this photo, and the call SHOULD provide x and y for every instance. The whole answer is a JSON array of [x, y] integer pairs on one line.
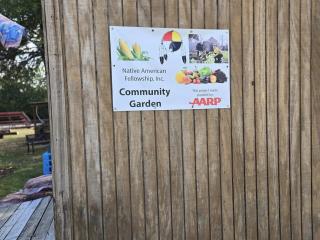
[[6, 132], [37, 139]]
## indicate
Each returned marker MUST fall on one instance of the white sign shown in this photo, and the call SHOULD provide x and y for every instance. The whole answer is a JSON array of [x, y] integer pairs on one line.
[[167, 68]]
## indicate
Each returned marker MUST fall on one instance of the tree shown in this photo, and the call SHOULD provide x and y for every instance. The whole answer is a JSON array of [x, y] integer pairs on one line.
[[22, 71]]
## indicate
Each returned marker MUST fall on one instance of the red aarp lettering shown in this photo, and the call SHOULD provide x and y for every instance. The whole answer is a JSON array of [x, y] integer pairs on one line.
[[205, 101]]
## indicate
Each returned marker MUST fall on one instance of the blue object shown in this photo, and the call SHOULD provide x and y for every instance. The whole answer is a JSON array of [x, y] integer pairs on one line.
[[46, 163], [11, 33]]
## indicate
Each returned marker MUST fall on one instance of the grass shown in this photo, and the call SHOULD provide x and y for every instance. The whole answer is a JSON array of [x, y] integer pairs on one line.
[[209, 58], [13, 154], [225, 56]]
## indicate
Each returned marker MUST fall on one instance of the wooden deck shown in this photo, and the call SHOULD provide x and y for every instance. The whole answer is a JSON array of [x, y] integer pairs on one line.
[[28, 220]]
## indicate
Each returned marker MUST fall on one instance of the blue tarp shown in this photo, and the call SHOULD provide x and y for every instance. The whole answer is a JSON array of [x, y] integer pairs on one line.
[[11, 33]]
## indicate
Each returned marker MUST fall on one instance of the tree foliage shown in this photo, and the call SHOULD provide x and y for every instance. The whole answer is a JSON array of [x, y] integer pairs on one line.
[[22, 70]]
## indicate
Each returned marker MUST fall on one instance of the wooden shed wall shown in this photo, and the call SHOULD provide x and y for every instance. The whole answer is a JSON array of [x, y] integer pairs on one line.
[[249, 172]]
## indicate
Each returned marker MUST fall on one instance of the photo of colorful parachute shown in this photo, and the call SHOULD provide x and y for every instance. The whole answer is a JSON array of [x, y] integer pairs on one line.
[[171, 42]]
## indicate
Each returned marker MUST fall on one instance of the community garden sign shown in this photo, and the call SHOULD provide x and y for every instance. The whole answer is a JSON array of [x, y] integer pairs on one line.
[[167, 69]]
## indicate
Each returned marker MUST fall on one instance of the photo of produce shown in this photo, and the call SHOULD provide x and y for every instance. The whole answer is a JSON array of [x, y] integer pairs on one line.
[[171, 42], [133, 54], [208, 50], [203, 75]]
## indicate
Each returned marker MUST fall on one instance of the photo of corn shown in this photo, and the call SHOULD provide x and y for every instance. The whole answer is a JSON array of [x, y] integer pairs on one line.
[[133, 54]]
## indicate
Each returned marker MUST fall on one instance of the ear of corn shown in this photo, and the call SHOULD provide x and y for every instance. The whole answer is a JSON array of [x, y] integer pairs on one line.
[[137, 50], [125, 49]]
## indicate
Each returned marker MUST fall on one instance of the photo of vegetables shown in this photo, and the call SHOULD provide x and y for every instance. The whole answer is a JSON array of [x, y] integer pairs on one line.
[[204, 75], [211, 50], [133, 54]]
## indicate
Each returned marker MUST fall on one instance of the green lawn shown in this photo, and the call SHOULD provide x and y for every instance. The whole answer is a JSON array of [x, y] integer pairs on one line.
[[13, 154], [225, 56]]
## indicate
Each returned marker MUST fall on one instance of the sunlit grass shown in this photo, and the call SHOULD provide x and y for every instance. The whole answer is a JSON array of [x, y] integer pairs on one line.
[[13, 154]]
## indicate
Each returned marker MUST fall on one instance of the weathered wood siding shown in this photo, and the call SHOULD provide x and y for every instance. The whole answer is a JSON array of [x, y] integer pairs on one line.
[[249, 172]]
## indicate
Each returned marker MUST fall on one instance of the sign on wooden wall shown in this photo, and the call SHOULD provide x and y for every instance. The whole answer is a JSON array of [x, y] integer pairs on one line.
[[166, 69]]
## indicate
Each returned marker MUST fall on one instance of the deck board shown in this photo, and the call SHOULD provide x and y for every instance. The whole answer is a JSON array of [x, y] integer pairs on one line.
[[50, 234], [34, 220], [28, 220], [44, 224], [22, 220], [6, 213], [12, 220]]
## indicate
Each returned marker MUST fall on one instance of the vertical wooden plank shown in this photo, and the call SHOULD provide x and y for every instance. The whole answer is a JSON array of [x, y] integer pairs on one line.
[[122, 175], [188, 146], [201, 155], [162, 147], [136, 174], [45, 31], [175, 145], [213, 142], [106, 136], [144, 13], [283, 117], [237, 119], [260, 107], [315, 127], [226, 145], [177, 177], [58, 119], [215, 197], [136, 155], [75, 120], [115, 13], [294, 119], [305, 76], [47, 10], [164, 190], [135, 150], [117, 17], [189, 175], [150, 168], [272, 119], [249, 121], [226, 175], [149, 148], [90, 116]]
